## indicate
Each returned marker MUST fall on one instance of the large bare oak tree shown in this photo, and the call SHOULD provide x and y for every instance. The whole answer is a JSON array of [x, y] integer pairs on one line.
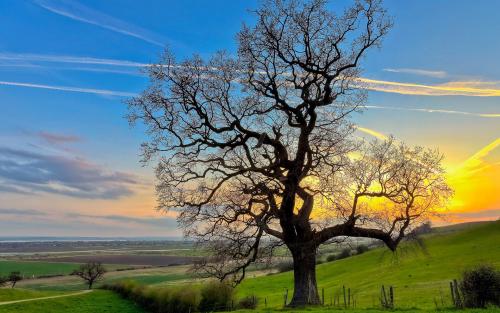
[[257, 150]]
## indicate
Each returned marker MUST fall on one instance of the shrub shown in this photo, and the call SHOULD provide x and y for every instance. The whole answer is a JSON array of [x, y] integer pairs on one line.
[[215, 296], [331, 257], [480, 286], [162, 300], [249, 302], [361, 249], [183, 301], [345, 253], [285, 266]]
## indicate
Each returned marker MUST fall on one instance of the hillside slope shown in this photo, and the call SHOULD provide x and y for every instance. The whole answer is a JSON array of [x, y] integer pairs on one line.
[[419, 276]]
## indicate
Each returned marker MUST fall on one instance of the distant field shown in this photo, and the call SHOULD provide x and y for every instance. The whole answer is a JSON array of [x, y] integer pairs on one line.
[[28, 268], [149, 260], [149, 276], [98, 301]]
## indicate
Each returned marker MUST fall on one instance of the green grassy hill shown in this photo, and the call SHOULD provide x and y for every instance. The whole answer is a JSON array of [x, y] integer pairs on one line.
[[419, 276]]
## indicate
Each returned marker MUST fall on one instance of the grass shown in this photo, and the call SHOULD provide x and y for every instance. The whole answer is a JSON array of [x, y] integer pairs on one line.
[[97, 301], [11, 294], [332, 310], [419, 277], [35, 268]]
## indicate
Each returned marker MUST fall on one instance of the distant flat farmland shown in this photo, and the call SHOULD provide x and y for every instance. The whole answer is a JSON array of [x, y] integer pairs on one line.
[[143, 260]]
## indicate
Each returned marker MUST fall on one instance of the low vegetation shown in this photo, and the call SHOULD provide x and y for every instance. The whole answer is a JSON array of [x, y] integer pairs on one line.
[[210, 297], [480, 287]]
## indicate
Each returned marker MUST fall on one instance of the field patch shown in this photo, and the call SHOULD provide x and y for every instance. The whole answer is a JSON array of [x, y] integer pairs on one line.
[[143, 260], [34, 268]]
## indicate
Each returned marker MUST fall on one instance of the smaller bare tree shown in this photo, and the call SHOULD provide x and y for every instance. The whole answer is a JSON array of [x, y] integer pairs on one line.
[[13, 278], [90, 272]]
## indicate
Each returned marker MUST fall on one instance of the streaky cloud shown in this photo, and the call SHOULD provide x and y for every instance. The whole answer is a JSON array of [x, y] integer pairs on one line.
[[470, 89], [68, 59], [430, 110], [27, 172], [371, 132], [81, 13], [415, 71], [103, 92], [25, 212]]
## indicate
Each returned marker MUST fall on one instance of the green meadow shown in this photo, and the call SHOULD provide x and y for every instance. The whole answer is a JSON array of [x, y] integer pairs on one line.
[[419, 273]]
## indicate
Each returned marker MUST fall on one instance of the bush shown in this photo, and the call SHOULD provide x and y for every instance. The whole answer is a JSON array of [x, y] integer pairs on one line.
[[361, 249], [345, 253], [480, 287], [285, 267], [331, 257], [249, 302], [162, 300], [216, 296]]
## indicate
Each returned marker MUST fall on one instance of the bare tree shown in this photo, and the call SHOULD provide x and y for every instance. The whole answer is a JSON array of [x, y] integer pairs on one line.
[[90, 272], [13, 278], [257, 150]]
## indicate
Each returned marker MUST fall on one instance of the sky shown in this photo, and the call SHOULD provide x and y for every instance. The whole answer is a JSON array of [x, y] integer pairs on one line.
[[69, 161]]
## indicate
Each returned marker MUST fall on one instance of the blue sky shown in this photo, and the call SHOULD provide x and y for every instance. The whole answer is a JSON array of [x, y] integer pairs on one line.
[[69, 161]]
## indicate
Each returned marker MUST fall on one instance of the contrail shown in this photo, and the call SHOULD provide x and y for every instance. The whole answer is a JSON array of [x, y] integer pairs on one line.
[[71, 89], [79, 12]]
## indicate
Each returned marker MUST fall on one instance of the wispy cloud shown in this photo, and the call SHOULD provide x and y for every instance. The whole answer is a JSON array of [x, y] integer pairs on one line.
[[477, 159], [161, 221], [471, 89], [57, 138], [103, 92], [31, 172], [371, 132], [415, 71], [76, 11], [31, 57], [430, 110], [25, 212]]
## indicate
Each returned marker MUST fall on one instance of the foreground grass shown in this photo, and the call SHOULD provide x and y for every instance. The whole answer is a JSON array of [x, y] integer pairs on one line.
[[331, 310], [98, 301], [420, 278], [11, 294]]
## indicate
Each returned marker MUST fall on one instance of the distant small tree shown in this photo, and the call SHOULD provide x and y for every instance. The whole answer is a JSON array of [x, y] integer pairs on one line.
[[14, 277], [90, 272], [425, 228]]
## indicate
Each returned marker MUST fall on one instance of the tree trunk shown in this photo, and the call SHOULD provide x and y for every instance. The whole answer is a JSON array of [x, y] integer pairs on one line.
[[305, 290]]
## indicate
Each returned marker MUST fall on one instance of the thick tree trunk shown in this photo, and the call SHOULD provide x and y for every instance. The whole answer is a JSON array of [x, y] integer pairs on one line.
[[304, 271]]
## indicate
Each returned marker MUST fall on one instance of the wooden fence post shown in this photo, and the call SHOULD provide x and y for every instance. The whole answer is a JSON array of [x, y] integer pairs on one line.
[[345, 302]]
